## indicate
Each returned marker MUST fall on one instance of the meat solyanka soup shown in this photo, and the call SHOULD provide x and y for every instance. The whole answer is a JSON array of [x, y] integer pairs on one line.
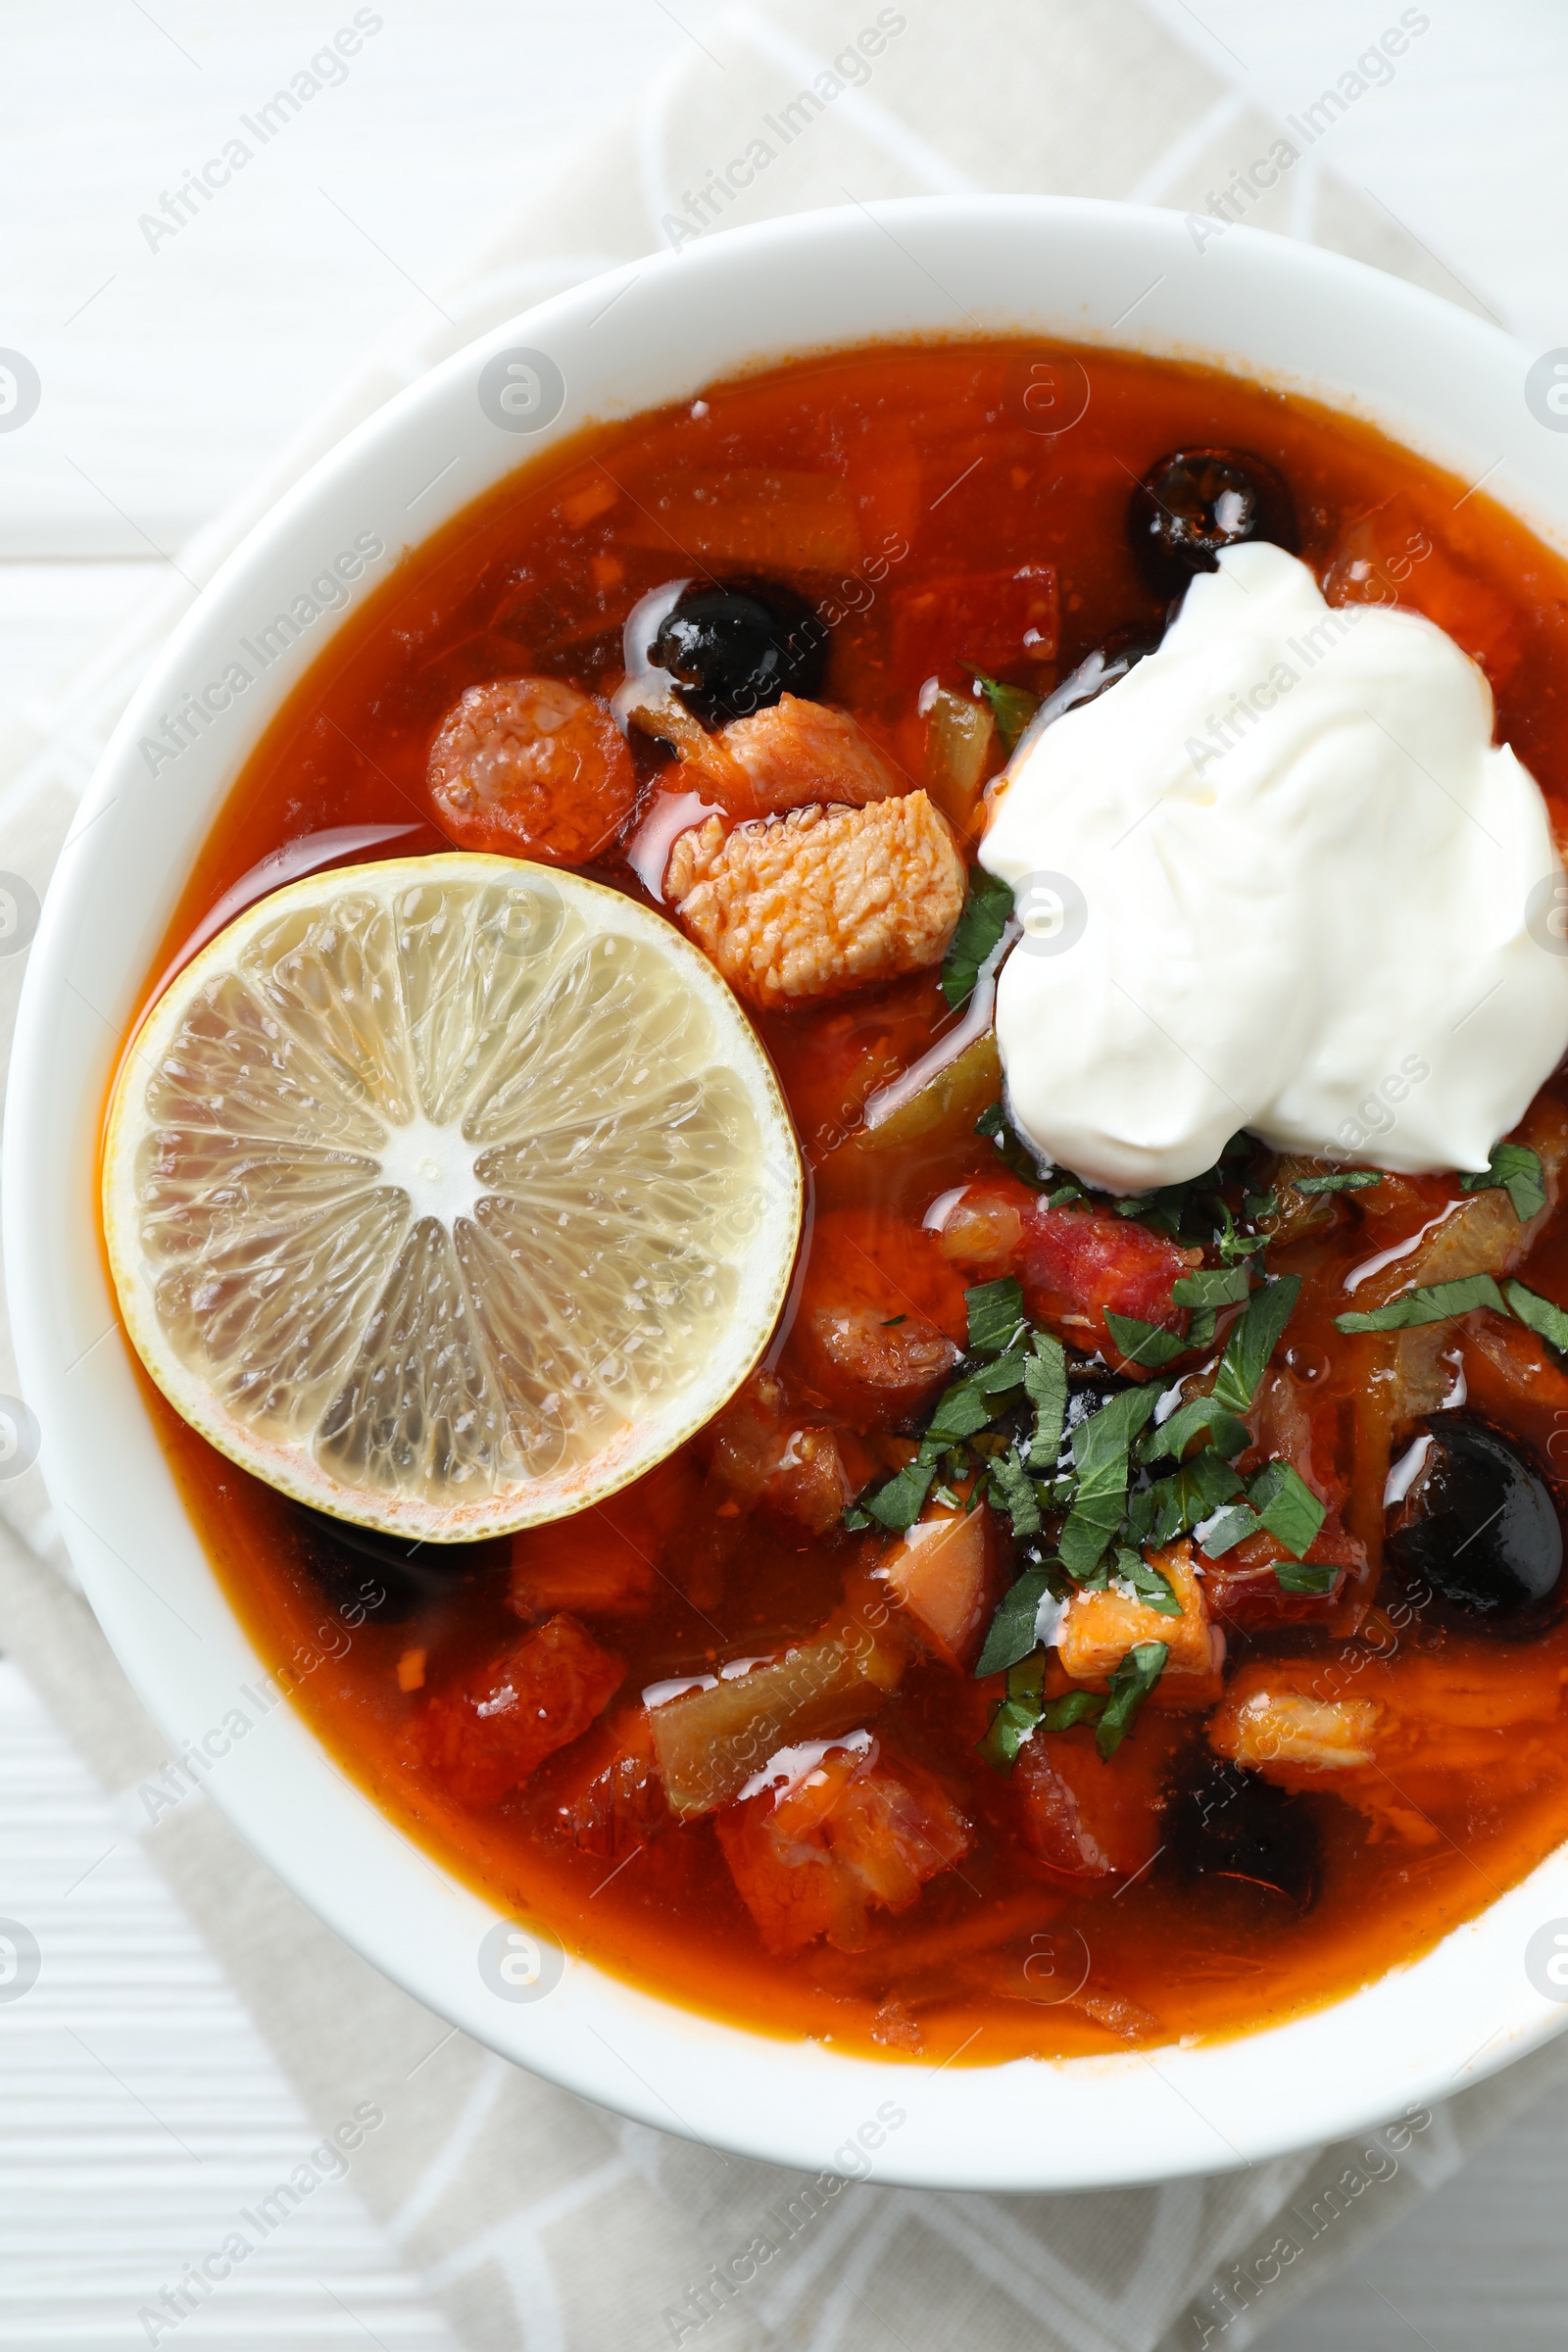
[[1117, 1594]]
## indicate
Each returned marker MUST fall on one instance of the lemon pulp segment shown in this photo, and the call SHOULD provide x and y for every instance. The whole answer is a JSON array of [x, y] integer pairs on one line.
[[449, 1194]]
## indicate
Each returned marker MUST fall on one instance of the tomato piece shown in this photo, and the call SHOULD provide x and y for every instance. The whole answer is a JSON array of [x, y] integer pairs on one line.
[[486, 1739], [530, 767], [945, 1574], [1074, 1264], [1004, 622], [851, 1834], [1086, 1818]]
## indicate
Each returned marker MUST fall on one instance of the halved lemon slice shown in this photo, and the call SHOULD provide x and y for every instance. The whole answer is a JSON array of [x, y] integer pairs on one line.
[[449, 1194]]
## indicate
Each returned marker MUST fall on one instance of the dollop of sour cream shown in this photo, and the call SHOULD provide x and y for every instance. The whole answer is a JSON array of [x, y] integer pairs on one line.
[[1277, 877]]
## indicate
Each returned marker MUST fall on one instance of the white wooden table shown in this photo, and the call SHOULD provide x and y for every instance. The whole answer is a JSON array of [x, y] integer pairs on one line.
[[173, 366]]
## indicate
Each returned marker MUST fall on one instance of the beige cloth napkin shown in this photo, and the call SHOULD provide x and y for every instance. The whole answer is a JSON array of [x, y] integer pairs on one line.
[[534, 2219]]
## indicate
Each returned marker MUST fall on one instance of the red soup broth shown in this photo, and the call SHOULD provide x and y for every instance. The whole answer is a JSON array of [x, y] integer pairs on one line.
[[900, 489]]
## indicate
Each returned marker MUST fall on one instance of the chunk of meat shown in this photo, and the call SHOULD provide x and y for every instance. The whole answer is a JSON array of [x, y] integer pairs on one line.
[[853, 1834], [822, 900], [1074, 1264], [880, 1319], [1274, 1731], [766, 1451], [606, 1561], [484, 1740], [1245, 1593], [616, 1803], [1085, 1818], [530, 767], [709, 1742], [1410, 1739], [945, 1574], [1098, 1628], [797, 753]]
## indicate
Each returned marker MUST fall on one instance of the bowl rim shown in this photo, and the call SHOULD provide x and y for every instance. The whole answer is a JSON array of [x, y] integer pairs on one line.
[[1435, 377]]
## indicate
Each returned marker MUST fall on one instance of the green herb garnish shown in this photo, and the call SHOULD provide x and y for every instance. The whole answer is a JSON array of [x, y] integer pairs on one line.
[[1140, 1342], [1129, 1685], [1016, 1156], [1434, 1303], [1286, 1506], [1516, 1171], [1539, 1315], [985, 915], [1345, 1180], [1012, 707], [1019, 1714], [1253, 1339], [995, 1315], [1213, 1286], [1099, 1453], [1044, 1384], [1280, 1503], [1013, 1492], [1295, 1576], [899, 1503], [1011, 1633]]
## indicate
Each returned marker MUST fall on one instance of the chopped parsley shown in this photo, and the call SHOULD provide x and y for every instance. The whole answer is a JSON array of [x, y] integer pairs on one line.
[[1434, 1303], [1516, 1171], [1100, 1454], [1253, 1339], [1540, 1315], [1295, 1576], [1343, 1180], [1012, 707], [1148, 1343], [1129, 1685], [1279, 1502], [1017, 1158], [985, 917], [1044, 1384], [1011, 1637], [1212, 1286], [995, 1315]]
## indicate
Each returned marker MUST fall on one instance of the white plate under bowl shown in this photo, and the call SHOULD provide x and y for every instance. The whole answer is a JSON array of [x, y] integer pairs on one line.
[[1126, 278]]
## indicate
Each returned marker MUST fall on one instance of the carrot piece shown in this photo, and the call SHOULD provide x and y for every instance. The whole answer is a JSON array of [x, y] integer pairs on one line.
[[944, 1572]]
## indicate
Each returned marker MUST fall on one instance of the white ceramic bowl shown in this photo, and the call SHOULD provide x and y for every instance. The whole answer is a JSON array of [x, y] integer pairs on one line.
[[1429, 374]]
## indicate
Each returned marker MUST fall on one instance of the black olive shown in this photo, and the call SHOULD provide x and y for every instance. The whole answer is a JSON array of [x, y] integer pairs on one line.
[[357, 1570], [1231, 1824], [737, 648], [1478, 1524], [1198, 501], [1095, 672]]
